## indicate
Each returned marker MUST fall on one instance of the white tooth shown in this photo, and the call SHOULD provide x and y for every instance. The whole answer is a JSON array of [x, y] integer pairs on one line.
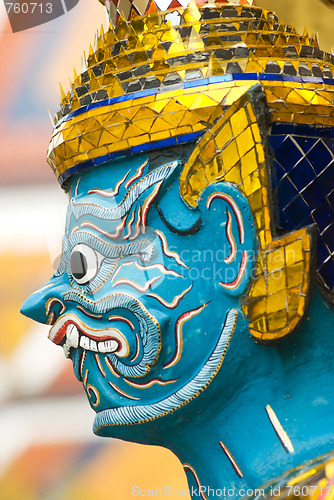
[[67, 349], [72, 334], [111, 345], [108, 346], [93, 345], [102, 347], [84, 342], [88, 344]]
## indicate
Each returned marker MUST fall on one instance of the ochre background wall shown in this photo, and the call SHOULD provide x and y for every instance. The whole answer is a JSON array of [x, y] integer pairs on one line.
[[312, 13]]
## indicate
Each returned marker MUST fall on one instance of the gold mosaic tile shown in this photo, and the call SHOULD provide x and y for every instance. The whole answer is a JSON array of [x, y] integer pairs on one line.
[[143, 34], [275, 302]]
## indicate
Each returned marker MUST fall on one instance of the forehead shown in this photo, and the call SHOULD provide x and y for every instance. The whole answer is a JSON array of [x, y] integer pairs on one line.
[[106, 176], [120, 195]]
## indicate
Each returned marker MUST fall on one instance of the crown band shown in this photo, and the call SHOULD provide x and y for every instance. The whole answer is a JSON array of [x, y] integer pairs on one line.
[[150, 83]]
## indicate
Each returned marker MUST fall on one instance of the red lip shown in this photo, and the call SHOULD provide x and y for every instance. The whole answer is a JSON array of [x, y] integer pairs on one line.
[[61, 333], [59, 337], [64, 329]]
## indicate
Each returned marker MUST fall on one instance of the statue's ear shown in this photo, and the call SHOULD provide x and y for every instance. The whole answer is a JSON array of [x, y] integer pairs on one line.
[[176, 214], [230, 231], [234, 150]]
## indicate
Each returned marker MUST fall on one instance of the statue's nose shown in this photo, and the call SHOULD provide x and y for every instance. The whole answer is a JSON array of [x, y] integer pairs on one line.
[[36, 306]]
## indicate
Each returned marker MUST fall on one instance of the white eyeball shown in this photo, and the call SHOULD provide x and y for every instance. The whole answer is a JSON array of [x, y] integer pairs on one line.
[[84, 263]]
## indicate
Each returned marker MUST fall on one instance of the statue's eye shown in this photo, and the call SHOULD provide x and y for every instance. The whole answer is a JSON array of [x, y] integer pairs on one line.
[[84, 263]]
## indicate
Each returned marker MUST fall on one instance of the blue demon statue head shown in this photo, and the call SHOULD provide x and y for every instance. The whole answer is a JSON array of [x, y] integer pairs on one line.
[[186, 266]]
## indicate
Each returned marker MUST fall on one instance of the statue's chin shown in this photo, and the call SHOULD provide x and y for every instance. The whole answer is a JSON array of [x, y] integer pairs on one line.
[[137, 414]]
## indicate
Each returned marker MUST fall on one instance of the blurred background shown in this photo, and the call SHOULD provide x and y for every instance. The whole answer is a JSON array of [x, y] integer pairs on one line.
[[47, 449]]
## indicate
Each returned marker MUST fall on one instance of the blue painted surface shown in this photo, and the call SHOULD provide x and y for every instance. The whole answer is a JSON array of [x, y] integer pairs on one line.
[[226, 404]]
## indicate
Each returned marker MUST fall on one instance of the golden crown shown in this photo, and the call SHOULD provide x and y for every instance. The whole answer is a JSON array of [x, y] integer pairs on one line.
[[163, 78]]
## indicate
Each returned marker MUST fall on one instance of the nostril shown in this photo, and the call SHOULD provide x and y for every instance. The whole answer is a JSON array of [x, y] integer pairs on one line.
[[54, 308], [51, 303], [51, 319]]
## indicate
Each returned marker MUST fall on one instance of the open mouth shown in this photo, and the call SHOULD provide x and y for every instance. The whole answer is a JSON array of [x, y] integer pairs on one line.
[[71, 333], [137, 340], [136, 414]]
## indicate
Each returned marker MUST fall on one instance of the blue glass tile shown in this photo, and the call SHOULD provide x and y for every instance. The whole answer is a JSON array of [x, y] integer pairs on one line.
[[297, 211], [220, 78], [275, 141], [286, 192], [327, 273], [98, 104], [323, 215], [307, 222], [277, 173], [308, 130], [107, 102], [319, 157], [328, 237], [288, 78], [313, 195], [286, 223], [311, 79], [330, 199], [326, 179], [311, 171], [102, 159], [120, 154], [325, 132], [246, 76], [142, 93], [282, 128], [271, 77], [196, 83], [142, 147], [329, 143], [171, 141], [322, 251], [305, 143], [77, 112], [288, 154], [75, 169], [188, 137], [302, 174], [117, 99]]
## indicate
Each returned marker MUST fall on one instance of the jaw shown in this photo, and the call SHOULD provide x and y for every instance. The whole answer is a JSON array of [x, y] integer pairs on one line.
[[132, 345], [138, 414]]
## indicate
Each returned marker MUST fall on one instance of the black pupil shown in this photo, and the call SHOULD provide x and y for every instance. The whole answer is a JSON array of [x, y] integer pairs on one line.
[[78, 264]]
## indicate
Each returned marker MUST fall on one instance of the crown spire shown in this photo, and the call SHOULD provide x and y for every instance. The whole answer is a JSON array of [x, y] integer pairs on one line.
[[120, 10]]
